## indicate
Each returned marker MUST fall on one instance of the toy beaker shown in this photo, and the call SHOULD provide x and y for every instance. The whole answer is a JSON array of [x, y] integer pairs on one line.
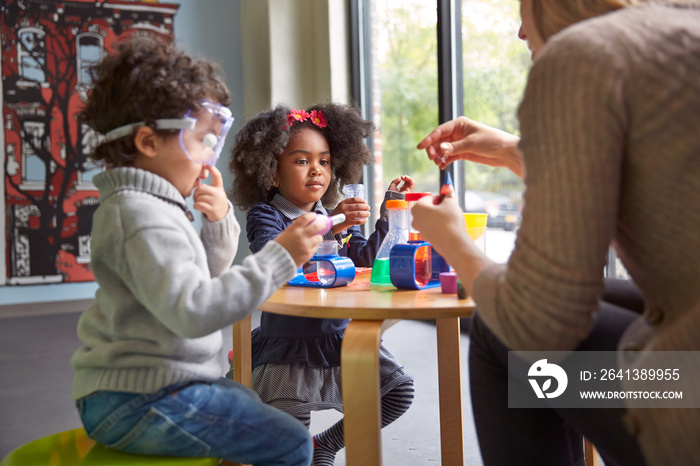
[[476, 224], [398, 233], [325, 271], [424, 256], [411, 198], [354, 190], [410, 265]]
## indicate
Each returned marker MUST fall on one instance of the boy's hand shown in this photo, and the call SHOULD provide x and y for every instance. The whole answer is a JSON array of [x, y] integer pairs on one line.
[[301, 238], [406, 187], [211, 199], [356, 212]]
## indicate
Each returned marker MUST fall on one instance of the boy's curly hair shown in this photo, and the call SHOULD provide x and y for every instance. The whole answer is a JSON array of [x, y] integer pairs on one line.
[[263, 139], [145, 80]]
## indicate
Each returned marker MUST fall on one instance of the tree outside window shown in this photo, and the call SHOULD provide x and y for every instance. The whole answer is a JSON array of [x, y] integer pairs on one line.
[[404, 92], [495, 66], [404, 48]]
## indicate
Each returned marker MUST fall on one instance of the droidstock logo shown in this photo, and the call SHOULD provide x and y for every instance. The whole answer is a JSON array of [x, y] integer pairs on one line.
[[543, 372]]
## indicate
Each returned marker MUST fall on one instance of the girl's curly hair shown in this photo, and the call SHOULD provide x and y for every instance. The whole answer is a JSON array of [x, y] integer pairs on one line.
[[263, 139], [145, 80]]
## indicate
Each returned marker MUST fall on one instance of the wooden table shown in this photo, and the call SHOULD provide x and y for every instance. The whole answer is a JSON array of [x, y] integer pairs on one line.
[[368, 308]]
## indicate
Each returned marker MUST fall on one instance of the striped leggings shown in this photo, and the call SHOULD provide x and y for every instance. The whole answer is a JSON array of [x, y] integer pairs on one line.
[[393, 404]]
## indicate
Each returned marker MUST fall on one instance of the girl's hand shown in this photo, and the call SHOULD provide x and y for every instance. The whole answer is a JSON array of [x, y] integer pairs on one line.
[[301, 238], [356, 212], [407, 186], [211, 199]]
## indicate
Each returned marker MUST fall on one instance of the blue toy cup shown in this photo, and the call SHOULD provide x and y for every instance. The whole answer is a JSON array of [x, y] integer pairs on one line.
[[331, 269], [410, 266]]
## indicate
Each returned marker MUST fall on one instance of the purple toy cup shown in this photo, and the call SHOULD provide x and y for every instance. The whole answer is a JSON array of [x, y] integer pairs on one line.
[[448, 282]]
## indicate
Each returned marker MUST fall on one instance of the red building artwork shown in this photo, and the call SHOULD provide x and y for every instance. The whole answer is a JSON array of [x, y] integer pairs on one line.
[[48, 47]]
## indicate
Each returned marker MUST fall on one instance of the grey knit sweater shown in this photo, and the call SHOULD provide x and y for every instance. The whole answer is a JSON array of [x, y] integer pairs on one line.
[[164, 294], [610, 125]]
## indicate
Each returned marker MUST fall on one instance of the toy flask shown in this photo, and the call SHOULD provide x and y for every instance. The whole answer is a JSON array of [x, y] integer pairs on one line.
[[422, 268], [398, 233]]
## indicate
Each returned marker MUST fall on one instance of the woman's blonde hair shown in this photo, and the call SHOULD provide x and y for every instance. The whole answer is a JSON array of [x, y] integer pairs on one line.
[[551, 16]]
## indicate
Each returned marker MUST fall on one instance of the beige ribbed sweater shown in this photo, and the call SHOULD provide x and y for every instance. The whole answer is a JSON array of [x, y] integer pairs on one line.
[[610, 125]]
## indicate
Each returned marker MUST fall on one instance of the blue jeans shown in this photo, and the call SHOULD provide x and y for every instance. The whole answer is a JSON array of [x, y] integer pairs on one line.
[[223, 419]]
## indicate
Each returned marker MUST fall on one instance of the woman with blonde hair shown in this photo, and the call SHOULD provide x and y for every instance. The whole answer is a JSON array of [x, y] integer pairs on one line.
[[610, 156]]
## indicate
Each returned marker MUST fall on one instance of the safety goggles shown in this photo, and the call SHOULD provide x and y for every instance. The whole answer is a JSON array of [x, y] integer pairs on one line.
[[202, 134]]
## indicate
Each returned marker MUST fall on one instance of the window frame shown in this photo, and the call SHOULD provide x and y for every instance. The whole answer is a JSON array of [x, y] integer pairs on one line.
[[450, 88], [28, 151], [450, 79], [22, 53], [90, 139], [80, 63]]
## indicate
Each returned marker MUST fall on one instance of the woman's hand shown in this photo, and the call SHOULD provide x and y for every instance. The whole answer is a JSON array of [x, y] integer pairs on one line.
[[356, 212], [466, 139], [444, 227], [211, 199]]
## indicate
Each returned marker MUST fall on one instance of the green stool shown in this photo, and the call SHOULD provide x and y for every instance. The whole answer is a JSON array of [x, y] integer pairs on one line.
[[75, 448]]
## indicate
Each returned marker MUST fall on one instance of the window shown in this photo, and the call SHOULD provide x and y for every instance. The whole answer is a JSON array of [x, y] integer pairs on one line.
[[404, 95], [396, 61], [495, 67], [90, 168], [88, 54], [31, 54], [33, 166], [495, 63]]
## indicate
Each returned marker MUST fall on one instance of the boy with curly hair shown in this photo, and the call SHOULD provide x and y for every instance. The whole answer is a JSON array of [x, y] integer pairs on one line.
[[287, 163], [148, 377]]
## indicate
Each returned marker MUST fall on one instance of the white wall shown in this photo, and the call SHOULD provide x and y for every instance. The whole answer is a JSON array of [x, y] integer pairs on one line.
[[295, 52], [212, 29]]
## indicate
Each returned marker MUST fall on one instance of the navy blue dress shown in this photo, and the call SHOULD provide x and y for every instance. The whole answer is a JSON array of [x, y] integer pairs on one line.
[[296, 360], [317, 340]]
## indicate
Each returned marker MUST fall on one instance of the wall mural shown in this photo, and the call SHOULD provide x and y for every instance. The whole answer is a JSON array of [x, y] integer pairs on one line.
[[47, 49]]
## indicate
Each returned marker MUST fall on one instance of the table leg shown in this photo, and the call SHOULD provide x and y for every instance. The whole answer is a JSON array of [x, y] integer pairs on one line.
[[242, 354], [242, 361], [361, 402], [590, 454], [450, 388]]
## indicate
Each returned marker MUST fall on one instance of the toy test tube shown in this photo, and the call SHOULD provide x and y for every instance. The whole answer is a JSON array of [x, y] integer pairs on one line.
[[330, 222]]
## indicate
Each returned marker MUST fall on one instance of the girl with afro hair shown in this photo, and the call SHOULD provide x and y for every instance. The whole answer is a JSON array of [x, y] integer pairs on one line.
[[286, 163]]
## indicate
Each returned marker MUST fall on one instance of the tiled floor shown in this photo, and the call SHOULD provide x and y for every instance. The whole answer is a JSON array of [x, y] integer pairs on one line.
[[36, 378]]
